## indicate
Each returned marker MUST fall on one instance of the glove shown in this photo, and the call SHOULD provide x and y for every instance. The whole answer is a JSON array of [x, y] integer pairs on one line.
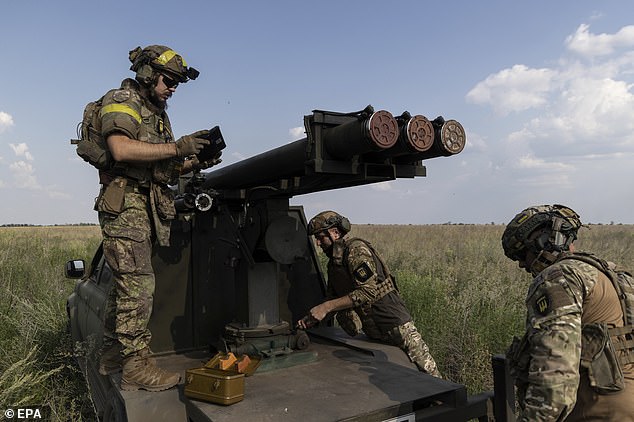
[[202, 165], [191, 144], [306, 322]]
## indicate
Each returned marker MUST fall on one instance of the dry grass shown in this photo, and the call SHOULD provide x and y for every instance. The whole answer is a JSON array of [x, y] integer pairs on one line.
[[465, 296], [36, 364]]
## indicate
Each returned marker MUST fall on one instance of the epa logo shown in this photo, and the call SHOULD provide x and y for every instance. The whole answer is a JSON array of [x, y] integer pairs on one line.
[[26, 413]]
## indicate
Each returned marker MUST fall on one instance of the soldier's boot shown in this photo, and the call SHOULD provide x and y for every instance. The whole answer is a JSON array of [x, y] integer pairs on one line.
[[110, 360], [140, 372]]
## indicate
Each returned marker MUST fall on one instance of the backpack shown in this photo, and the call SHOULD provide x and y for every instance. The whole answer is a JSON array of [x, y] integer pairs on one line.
[[91, 146]]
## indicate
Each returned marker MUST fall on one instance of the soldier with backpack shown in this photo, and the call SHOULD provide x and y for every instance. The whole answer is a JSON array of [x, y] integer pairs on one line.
[[363, 293], [576, 359], [127, 136]]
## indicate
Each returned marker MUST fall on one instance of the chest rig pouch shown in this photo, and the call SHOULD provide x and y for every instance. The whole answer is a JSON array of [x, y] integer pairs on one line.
[[599, 358], [605, 350], [159, 131]]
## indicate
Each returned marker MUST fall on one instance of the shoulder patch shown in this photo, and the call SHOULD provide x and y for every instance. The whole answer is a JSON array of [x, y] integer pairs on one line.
[[363, 272], [121, 95], [553, 298], [542, 304]]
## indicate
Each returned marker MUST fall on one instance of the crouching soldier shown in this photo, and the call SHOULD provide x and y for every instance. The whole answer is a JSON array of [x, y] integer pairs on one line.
[[363, 293]]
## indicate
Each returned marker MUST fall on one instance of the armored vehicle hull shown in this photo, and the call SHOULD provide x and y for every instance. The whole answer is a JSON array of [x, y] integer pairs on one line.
[[241, 271]]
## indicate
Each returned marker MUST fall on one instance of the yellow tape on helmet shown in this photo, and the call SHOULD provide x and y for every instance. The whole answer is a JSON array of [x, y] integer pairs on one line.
[[167, 56]]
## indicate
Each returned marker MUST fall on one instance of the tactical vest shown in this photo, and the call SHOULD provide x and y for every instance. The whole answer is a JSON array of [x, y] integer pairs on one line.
[[386, 282], [343, 284], [606, 350], [92, 146]]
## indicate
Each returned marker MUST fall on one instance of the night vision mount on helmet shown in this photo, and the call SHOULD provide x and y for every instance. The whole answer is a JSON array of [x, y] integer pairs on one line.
[[159, 59]]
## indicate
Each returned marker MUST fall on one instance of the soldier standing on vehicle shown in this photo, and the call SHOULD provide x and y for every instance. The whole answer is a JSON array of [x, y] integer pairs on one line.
[[135, 204], [363, 293], [576, 359]]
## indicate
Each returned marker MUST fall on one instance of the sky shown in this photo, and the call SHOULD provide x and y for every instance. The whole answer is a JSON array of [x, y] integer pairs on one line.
[[542, 88]]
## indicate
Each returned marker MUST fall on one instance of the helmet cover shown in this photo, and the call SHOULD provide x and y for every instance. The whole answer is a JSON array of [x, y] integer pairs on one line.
[[328, 219], [560, 221], [163, 60]]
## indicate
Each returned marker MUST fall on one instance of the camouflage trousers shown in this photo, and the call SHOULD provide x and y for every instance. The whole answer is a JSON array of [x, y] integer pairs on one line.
[[127, 248], [408, 339]]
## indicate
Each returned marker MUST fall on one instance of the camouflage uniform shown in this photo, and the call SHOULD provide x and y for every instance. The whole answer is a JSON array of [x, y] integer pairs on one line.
[[552, 379], [144, 216], [378, 310]]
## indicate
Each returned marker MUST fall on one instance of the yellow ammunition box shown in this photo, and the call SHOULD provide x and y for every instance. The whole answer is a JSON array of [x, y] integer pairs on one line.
[[214, 385]]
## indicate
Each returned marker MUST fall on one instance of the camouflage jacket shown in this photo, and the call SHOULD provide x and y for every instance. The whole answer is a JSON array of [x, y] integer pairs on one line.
[[355, 270], [126, 110], [562, 299]]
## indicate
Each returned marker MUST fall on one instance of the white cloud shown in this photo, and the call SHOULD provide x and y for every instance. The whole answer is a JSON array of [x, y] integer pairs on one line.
[[238, 156], [530, 171], [531, 163], [22, 150], [571, 130], [54, 194], [475, 142], [297, 133], [516, 89], [591, 110], [24, 175], [578, 108], [381, 187], [587, 44], [596, 15], [6, 121]]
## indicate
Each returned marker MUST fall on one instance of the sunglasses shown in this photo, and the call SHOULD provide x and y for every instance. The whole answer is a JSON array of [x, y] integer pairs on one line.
[[169, 82], [321, 236]]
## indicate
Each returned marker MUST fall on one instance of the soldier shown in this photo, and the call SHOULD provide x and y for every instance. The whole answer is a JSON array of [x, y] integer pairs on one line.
[[363, 293], [135, 205], [574, 361]]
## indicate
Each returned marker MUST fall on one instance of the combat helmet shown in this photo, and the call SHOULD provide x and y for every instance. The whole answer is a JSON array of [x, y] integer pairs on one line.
[[559, 225], [327, 219], [154, 59]]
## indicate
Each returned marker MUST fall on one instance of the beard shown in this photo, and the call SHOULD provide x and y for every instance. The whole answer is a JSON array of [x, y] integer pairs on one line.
[[154, 99], [149, 94], [327, 251]]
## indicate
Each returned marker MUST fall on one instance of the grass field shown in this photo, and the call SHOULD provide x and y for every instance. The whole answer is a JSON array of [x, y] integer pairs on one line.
[[36, 364], [465, 296]]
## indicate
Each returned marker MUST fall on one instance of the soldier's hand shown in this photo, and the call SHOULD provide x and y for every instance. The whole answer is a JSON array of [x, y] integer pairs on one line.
[[202, 165], [214, 161], [191, 144], [306, 322], [319, 312]]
